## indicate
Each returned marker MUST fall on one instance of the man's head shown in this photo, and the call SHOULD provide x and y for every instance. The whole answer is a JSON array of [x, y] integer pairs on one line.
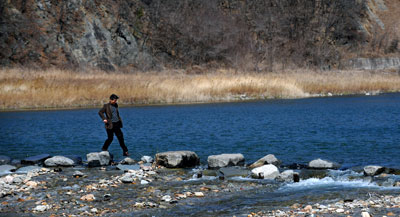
[[113, 98]]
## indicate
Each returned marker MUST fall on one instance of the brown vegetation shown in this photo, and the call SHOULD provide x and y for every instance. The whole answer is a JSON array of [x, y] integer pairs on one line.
[[29, 89]]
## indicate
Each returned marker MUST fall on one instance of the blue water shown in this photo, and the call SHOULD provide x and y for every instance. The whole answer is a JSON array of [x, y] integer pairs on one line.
[[353, 131]]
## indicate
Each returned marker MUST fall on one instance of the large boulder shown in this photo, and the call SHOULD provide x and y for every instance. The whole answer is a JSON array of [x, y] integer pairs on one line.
[[38, 159], [372, 170], [59, 161], [323, 164], [225, 160], [268, 171], [268, 159], [177, 159], [96, 159], [4, 159]]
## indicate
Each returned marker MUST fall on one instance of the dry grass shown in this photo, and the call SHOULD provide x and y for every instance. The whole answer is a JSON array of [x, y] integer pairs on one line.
[[27, 89]]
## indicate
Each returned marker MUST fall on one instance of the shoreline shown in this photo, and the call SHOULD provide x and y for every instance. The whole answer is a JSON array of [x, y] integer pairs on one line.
[[144, 188], [83, 107]]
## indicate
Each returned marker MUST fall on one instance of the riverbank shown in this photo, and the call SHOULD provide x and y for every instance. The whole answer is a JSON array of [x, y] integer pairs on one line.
[[61, 89], [129, 188]]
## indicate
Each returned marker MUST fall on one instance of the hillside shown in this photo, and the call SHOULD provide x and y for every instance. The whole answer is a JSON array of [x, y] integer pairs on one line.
[[142, 35]]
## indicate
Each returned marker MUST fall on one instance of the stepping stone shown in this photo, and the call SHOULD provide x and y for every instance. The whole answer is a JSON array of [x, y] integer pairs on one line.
[[38, 159]]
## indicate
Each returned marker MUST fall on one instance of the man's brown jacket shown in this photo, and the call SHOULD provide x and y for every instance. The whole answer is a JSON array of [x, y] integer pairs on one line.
[[107, 110]]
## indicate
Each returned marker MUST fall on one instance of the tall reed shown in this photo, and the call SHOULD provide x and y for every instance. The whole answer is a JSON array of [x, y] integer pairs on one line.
[[30, 89]]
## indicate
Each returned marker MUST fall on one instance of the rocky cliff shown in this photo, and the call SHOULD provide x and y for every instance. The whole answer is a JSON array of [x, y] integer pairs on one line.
[[154, 34]]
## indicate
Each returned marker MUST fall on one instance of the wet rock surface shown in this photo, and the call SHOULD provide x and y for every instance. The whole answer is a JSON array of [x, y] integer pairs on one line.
[[174, 159], [225, 160]]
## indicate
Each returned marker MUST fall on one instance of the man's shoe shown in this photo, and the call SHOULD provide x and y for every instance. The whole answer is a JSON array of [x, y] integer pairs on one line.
[[126, 154]]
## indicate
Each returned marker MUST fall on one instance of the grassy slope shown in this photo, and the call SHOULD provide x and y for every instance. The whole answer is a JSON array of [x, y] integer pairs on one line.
[[27, 89]]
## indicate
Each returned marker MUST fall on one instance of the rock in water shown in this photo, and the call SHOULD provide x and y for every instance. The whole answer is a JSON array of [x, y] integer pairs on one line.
[[177, 159], [147, 159], [4, 159], [373, 170], [128, 161], [225, 160], [323, 164], [96, 159], [233, 171], [38, 159], [289, 176], [268, 159], [58, 161], [268, 171]]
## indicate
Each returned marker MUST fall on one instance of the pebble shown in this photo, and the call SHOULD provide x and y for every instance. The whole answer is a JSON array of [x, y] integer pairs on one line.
[[166, 198], [32, 184], [340, 210], [308, 208], [41, 208], [199, 194], [365, 214], [77, 174], [144, 182], [88, 197]]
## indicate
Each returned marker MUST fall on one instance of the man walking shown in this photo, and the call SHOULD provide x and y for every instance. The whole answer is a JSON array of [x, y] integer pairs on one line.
[[113, 124]]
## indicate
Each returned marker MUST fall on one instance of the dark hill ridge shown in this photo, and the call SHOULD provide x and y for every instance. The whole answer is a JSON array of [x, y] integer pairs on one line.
[[153, 34]]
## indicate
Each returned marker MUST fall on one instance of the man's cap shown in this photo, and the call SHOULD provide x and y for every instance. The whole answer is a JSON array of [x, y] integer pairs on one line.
[[113, 96]]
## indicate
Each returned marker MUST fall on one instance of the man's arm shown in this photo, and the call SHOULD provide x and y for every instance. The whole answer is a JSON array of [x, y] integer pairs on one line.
[[101, 113]]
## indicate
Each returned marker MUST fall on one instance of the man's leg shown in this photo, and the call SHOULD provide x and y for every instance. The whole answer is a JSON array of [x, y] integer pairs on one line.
[[121, 141], [110, 137]]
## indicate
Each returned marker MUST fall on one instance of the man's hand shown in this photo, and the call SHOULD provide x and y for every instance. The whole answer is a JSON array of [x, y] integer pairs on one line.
[[105, 121]]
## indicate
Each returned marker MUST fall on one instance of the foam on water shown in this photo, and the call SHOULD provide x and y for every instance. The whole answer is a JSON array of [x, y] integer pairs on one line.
[[329, 182]]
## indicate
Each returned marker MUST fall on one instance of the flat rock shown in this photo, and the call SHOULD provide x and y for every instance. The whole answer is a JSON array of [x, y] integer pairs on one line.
[[4, 159], [38, 159], [268, 159], [323, 164], [6, 169], [128, 161], [268, 171], [96, 159], [127, 178], [233, 171], [372, 170], [124, 167], [177, 159], [28, 169], [225, 160], [58, 161]]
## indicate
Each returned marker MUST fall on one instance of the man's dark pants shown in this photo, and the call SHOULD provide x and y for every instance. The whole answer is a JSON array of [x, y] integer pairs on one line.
[[110, 134]]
